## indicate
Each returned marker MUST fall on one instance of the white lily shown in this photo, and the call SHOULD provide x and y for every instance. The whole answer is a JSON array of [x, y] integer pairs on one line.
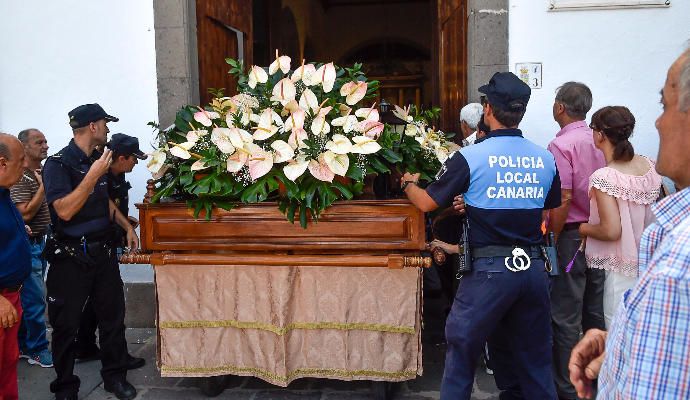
[[441, 154], [283, 151], [338, 163], [256, 75], [295, 168], [364, 145], [339, 144]]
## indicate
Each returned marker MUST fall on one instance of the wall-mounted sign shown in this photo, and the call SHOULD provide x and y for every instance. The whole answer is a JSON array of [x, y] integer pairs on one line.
[[564, 5], [530, 73]]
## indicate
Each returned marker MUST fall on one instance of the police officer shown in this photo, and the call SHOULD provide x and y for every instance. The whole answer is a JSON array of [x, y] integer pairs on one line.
[[507, 182], [83, 263], [125, 155]]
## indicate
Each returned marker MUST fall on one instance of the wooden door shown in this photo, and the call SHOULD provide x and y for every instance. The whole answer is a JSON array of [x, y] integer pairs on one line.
[[451, 21], [217, 24]]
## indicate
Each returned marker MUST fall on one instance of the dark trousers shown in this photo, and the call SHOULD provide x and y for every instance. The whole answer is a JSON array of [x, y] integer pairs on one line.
[[87, 328], [576, 306], [512, 311], [70, 284]]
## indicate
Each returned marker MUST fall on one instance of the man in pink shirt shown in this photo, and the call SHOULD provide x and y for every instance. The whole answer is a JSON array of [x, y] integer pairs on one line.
[[576, 296]]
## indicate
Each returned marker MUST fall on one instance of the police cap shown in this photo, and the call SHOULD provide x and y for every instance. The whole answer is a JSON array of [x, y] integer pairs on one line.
[[88, 113], [507, 92], [126, 145]]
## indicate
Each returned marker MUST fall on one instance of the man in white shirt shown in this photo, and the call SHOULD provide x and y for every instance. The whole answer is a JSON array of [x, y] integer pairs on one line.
[[469, 119]]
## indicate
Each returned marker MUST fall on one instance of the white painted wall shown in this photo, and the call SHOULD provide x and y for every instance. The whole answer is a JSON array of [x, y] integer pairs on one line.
[[621, 54], [56, 55]]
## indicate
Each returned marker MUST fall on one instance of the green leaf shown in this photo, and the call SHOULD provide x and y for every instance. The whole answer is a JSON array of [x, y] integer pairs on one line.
[[303, 216], [377, 165], [391, 156], [291, 212], [343, 190]]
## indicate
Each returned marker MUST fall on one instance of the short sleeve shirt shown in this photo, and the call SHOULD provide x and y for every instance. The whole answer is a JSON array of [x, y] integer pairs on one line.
[[23, 192], [507, 182], [15, 250]]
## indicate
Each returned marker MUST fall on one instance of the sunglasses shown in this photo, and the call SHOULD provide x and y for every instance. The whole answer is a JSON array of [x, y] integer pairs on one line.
[[483, 100]]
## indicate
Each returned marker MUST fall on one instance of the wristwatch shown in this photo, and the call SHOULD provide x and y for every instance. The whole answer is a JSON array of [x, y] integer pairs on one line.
[[405, 183]]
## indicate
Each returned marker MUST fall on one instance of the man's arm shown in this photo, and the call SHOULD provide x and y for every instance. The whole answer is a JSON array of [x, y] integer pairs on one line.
[[69, 205], [28, 209], [418, 196], [120, 219], [558, 216], [8, 314]]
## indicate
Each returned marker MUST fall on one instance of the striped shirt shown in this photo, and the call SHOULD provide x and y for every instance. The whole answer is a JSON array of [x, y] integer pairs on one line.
[[22, 192], [648, 347]]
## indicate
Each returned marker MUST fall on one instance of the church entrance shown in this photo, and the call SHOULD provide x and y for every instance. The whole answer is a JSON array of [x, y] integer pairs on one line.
[[415, 48]]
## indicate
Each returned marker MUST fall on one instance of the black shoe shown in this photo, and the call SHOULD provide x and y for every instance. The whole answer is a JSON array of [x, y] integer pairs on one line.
[[123, 390], [89, 353], [134, 362]]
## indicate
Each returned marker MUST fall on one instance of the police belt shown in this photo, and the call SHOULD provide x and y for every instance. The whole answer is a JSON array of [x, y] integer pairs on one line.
[[505, 251], [100, 237]]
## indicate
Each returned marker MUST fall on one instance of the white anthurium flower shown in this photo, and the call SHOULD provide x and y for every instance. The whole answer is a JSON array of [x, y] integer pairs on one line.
[[284, 91], [289, 107], [344, 109], [280, 63], [403, 113], [326, 76], [297, 138], [181, 150], [236, 161], [283, 151], [441, 154], [364, 145], [206, 118], [239, 137], [371, 129], [295, 168], [353, 92], [320, 170], [266, 127], [194, 136], [256, 75], [368, 114], [304, 73], [199, 165], [156, 161], [294, 120], [308, 100], [348, 122], [411, 130], [338, 163], [339, 144], [260, 161], [159, 174], [319, 126], [221, 138]]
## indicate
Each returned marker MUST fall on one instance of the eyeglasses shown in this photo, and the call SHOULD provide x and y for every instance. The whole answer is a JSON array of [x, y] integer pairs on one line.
[[483, 100], [594, 127]]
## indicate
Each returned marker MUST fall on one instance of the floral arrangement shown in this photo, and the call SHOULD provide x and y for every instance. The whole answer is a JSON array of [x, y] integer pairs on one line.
[[302, 137]]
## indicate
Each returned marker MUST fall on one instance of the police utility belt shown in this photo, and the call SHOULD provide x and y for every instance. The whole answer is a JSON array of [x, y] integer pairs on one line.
[[515, 258], [79, 249]]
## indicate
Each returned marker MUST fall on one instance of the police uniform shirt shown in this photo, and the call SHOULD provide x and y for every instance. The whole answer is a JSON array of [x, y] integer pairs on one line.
[[62, 173], [118, 191], [507, 182]]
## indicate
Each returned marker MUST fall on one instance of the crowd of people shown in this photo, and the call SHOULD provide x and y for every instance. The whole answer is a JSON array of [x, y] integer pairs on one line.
[[617, 290], [613, 305], [70, 214]]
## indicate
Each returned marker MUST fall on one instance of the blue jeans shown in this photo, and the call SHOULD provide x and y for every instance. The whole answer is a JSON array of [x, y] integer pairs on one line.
[[513, 312], [32, 332]]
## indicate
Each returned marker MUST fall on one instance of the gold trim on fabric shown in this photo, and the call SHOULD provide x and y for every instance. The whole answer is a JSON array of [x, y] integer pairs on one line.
[[283, 330], [298, 373]]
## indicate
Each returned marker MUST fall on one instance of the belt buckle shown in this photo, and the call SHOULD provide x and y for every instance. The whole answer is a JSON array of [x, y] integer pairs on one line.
[[517, 260]]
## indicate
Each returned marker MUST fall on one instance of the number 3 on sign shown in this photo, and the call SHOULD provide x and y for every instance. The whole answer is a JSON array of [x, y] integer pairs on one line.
[[530, 73]]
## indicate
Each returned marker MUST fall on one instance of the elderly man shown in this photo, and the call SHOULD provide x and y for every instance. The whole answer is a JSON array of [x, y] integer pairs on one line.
[[576, 297], [29, 197], [470, 115], [15, 264], [647, 348]]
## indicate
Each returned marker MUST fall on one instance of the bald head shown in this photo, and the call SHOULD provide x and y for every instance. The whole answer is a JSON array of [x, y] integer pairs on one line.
[[11, 160]]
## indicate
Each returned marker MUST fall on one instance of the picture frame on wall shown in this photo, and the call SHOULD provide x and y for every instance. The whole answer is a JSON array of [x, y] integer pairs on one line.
[[567, 5]]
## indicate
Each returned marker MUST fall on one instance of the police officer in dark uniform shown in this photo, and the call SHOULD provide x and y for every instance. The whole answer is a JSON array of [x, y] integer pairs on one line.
[[125, 155], [507, 181], [83, 263]]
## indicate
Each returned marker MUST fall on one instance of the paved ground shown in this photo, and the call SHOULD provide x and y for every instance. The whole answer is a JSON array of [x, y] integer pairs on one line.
[[33, 380]]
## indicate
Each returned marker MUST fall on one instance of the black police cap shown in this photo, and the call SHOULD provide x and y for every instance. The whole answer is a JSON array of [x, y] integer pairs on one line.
[[88, 113], [126, 145], [507, 92]]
